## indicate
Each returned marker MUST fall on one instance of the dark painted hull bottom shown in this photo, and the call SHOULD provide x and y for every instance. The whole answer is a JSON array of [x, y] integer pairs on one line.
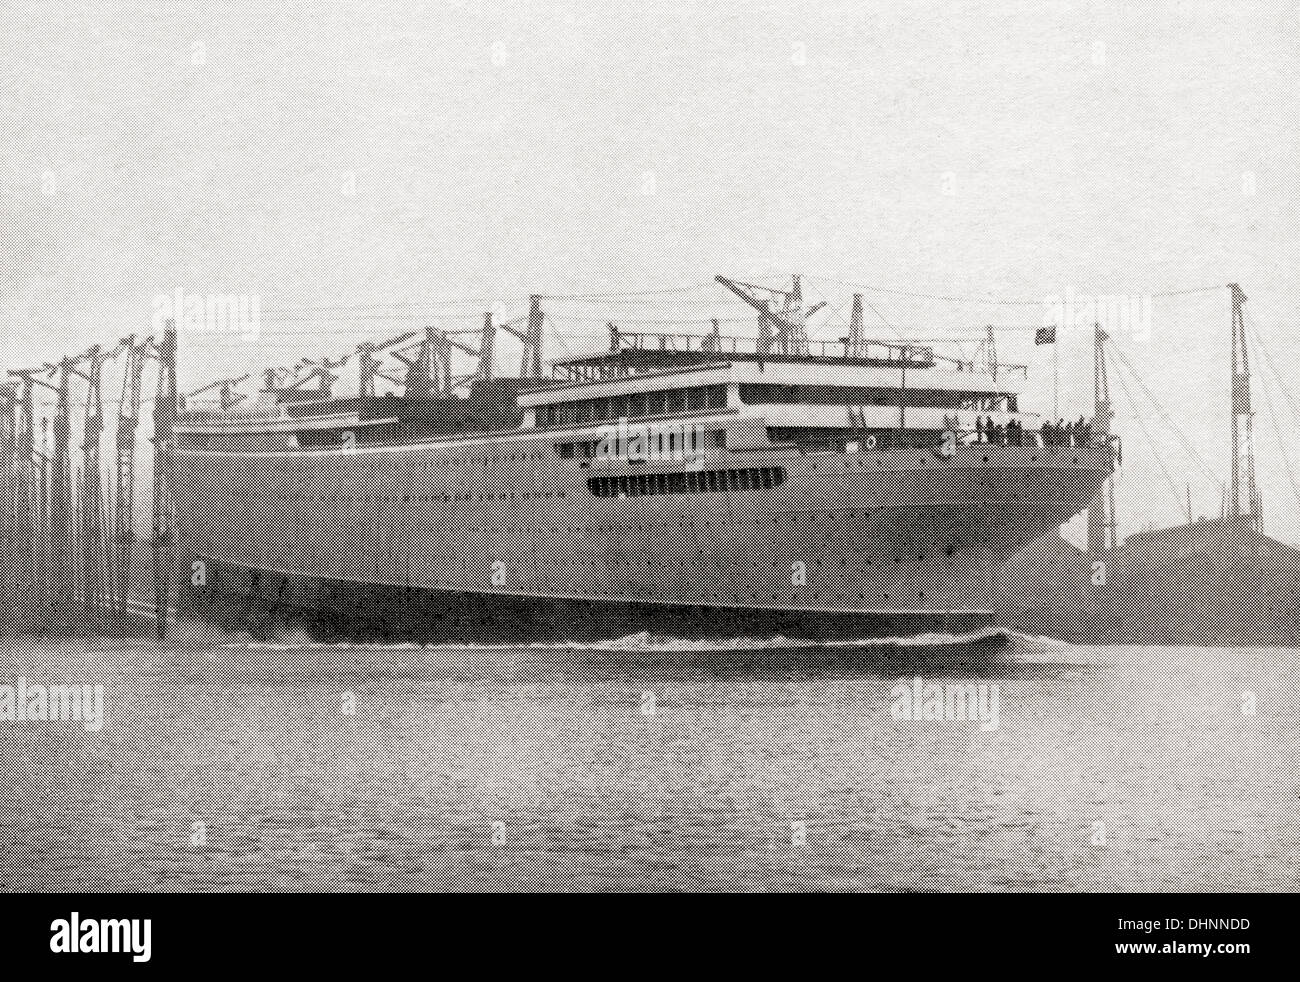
[[330, 610]]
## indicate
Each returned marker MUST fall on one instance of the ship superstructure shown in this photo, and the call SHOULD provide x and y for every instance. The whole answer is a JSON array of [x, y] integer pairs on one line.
[[691, 484]]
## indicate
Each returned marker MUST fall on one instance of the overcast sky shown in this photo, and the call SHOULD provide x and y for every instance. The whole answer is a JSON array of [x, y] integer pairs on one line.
[[994, 150]]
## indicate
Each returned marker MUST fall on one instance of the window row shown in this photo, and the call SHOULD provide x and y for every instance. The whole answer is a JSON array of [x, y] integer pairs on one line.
[[633, 405], [847, 395], [689, 482]]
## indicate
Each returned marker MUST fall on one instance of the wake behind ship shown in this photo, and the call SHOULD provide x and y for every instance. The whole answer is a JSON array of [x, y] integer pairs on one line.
[[696, 486]]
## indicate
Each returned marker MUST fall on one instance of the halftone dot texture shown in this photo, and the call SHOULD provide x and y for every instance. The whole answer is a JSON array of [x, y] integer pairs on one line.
[[229, 759]]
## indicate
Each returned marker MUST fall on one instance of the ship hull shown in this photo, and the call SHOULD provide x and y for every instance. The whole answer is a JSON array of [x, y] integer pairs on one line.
[[263, 603], [501, 539]]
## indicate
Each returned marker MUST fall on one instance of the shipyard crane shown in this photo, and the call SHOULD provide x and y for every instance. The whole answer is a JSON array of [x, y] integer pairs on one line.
[[42, 571], [8, 489], [227, 397], [8, 450], [128, 423], [8, 435], [273, 377], [29, 484], [420, 382], [1242, 433], [1266, 359], [91, 498], [368, 368], [59, 510], [530, 363], [790, 336], [321, 369]]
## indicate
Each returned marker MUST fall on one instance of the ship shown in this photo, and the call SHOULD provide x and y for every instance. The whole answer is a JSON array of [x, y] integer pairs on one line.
[[693, 486]]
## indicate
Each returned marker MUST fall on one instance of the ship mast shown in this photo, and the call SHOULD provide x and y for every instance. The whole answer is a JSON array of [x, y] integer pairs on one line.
[[166, 404], [855, 326], [1101, 510]]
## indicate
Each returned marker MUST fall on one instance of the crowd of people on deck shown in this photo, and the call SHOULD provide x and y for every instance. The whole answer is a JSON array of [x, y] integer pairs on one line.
[[1062, 433], [1065, 434]]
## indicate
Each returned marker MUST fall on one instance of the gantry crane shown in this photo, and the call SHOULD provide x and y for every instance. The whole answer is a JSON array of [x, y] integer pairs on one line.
[[28, 491], [59, 528], [91, 497], [1243, 436], [8, 492], [128, 424]]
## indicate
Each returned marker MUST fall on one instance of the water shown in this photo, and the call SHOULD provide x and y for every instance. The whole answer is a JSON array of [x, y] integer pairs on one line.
[[594, 793]]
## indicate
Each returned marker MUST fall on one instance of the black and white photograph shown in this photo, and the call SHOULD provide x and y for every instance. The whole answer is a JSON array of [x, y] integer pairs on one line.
[[469, 446]]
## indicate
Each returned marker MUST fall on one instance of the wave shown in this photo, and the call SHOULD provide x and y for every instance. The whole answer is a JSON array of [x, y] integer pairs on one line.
[[645, 641]]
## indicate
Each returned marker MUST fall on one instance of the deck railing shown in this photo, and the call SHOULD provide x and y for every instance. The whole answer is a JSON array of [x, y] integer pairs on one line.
[[911, 354]]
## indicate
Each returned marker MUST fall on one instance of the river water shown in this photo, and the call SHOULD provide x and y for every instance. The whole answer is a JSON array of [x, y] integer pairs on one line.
[[224, 764]]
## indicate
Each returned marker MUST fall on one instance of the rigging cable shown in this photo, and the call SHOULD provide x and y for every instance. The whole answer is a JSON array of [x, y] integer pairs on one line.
[[1268, 357], [1137, 415], [1165, 417], [981, 300]]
